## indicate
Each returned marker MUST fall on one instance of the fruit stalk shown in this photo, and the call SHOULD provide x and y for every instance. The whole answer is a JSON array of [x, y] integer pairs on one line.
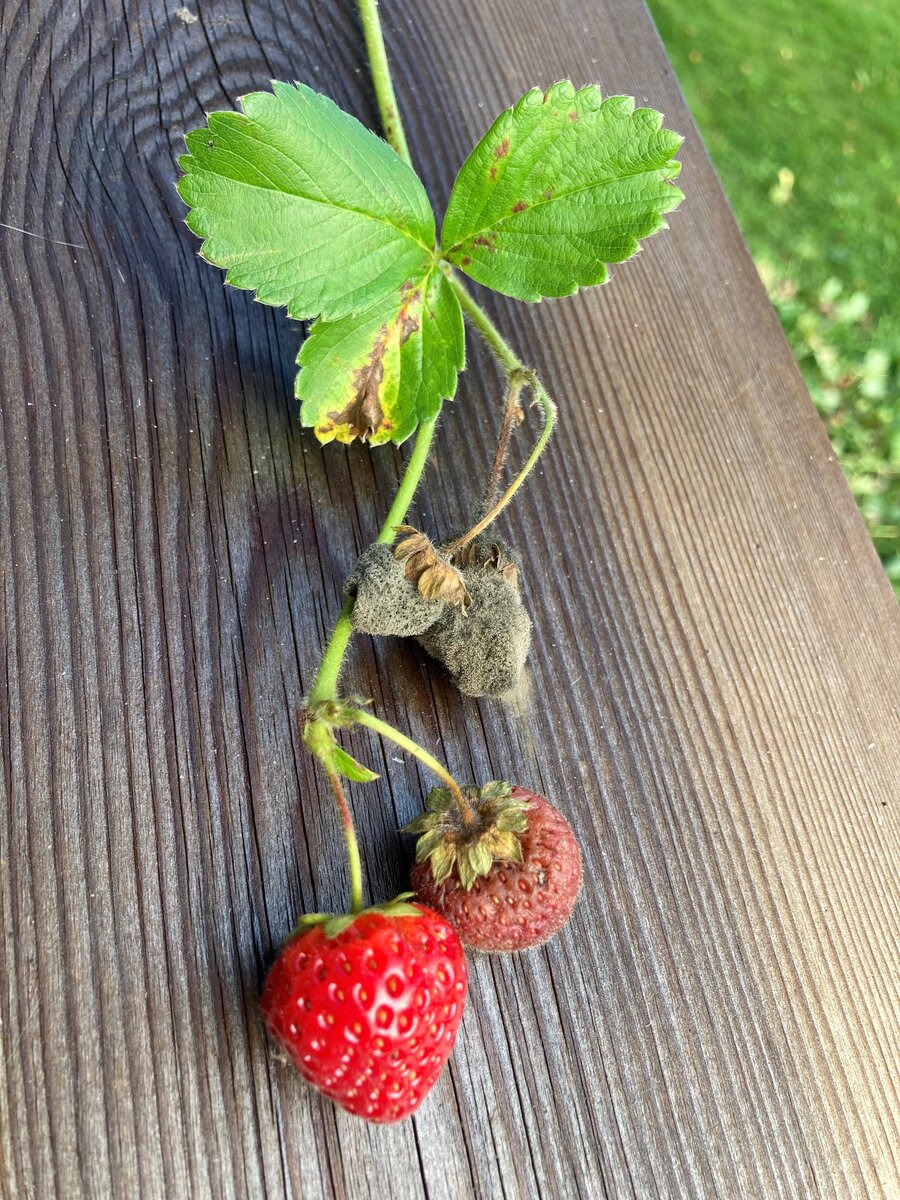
[[356, 894], [515, 368], [512, 416], [360, 717]]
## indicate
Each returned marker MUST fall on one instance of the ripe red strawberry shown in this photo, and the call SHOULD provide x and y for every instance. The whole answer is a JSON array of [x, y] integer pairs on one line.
[[367, 1008], [509, 883]]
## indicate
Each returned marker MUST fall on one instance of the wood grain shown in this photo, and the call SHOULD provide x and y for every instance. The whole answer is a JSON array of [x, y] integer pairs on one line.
[[713, 696]]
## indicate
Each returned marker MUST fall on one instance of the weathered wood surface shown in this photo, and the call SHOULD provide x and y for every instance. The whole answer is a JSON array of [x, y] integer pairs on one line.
[[713, 693]]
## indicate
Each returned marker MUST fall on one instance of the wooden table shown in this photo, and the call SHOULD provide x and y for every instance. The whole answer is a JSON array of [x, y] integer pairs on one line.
[[712, 698]]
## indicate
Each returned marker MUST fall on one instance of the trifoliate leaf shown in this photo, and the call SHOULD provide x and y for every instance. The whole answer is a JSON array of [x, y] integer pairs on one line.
[[375, 376], [561, 185], [305, 206]]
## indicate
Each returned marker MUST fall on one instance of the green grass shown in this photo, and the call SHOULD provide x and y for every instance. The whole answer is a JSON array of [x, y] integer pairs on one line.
[[799, 105]]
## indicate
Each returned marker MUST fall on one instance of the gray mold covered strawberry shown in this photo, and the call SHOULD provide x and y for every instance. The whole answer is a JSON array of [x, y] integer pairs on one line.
[[484, 647], [387, 602]]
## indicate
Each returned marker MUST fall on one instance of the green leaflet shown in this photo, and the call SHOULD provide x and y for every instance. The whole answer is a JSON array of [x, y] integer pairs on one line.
[[303, 205], [561, 185], [375, 376]]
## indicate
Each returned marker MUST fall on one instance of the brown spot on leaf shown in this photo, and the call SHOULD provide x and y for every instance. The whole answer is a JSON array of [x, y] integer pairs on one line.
[[363, 416], [520, 206], [548, 195], [466, 262], [573, 116], [502, 149], [492, 173], [408, 322], [482, 240]]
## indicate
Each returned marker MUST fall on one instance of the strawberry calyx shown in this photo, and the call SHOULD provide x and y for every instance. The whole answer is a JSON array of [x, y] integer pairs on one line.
[[335, 923], [470, 842]]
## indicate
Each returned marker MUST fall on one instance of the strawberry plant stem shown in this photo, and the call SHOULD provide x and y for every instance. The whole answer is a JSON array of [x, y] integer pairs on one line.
[[512, 415], [326, 681], [514, 368], [361, 717], [381, 78], [549, 410], [325, 684], [356, 894]]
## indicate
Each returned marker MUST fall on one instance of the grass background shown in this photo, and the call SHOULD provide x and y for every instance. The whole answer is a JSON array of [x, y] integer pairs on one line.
[[799, 105]]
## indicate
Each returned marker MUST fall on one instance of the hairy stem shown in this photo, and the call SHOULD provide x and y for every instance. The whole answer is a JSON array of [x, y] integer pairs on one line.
[[549, 410], [381, 78], [512, 415], [515, 369], [361, 717], [483, 323], [337, 788]]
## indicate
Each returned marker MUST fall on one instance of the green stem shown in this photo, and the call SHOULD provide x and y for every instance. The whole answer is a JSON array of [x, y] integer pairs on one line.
[[381, 78], [549, 410], [325, 684], [361, 717], [484, 324], [356, 892]]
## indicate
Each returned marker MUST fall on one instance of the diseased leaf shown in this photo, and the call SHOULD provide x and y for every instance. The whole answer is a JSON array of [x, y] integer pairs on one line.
[[561, 185], [375, 376], [305, 206]]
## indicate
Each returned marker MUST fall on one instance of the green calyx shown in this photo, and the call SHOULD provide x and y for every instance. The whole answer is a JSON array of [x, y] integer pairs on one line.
[[335, 923], [470, 842]]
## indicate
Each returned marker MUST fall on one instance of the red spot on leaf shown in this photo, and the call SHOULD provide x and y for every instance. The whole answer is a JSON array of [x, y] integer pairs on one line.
[[502, 149], [573, 116], [520, 206]]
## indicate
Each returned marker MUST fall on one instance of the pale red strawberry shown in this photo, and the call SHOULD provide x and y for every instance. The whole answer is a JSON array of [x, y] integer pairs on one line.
[[507, 881]]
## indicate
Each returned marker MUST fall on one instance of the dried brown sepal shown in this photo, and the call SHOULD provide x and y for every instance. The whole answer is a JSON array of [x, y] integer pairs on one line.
[[434, 576], [470, 844], [489, 555]]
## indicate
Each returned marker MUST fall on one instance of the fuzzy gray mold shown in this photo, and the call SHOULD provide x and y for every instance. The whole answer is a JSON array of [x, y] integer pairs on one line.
[[386, 602], [485, 646]]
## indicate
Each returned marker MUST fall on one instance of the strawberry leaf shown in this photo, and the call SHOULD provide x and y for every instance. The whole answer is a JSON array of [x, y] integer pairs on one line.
[[561, 185], [306, 207], [375, 376]]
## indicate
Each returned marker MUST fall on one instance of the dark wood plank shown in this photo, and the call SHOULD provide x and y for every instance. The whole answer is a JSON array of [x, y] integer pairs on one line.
[[712, 696]]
